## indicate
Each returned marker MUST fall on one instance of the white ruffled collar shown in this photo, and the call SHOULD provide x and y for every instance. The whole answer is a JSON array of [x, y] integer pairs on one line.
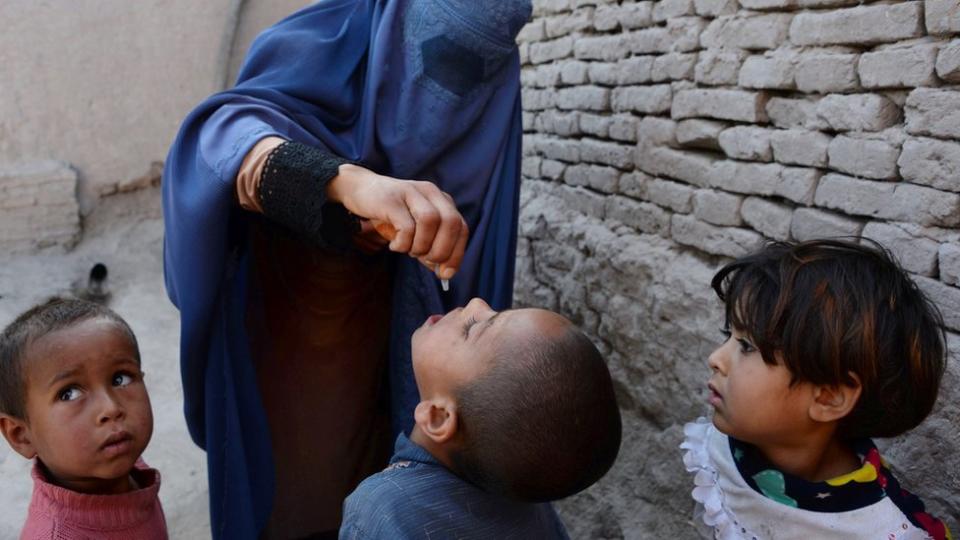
[[706, 490], [735, 511]]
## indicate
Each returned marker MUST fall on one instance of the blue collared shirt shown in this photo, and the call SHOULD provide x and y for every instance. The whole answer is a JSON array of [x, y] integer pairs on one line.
[[417, 497]]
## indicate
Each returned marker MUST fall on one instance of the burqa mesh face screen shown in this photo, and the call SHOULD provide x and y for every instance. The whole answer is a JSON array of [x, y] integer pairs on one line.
[[457, 45]]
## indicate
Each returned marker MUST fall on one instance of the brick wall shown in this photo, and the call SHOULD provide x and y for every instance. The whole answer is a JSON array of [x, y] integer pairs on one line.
[[663, 138], [38, 206]]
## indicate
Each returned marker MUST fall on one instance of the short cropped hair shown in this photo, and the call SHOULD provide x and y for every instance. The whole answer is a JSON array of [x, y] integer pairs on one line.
[[830, 308], [38, 321], [542, 423]]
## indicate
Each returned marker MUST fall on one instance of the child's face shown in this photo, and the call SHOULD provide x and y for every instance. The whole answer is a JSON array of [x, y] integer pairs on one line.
[[88, 413], [452, 350], [753, 401]]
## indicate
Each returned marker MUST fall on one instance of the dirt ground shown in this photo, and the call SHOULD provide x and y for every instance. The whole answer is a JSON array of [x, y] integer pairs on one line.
[[125, 232]]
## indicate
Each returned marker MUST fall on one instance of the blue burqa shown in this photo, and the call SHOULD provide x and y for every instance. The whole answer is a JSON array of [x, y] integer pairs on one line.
[[414, 89]]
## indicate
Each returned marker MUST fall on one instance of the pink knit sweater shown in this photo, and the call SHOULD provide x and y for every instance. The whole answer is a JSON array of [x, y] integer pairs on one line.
[[57, 513]]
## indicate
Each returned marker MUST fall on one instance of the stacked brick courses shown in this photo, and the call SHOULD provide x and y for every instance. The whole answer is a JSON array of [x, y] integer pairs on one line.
[[664, 137], [38, 207]]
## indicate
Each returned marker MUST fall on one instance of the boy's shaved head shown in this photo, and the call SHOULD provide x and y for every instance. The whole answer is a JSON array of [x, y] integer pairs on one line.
[[542, 423]]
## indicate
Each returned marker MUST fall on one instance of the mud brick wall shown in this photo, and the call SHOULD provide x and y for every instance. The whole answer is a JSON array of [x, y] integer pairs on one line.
[[38, 206], [663, 138]]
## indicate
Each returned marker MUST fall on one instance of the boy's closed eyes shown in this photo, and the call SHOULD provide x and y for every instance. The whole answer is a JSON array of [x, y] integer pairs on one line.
[[456, 348]]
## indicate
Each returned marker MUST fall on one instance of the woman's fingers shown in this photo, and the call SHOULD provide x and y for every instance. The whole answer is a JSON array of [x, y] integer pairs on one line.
[[399, 217], [451, 265], [426, 217], [425, 220], [440, 233], [444, 242]]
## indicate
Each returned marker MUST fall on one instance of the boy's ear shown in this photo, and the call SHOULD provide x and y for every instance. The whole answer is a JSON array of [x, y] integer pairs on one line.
[[17, 434], [833, 402], [437, 419]]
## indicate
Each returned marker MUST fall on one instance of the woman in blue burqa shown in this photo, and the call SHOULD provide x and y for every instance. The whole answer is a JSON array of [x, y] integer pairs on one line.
[[348, 118]]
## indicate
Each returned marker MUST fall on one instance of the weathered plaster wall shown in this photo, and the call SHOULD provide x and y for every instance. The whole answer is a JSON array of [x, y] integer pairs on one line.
[[663, 138], [254, 17], [104, 84]]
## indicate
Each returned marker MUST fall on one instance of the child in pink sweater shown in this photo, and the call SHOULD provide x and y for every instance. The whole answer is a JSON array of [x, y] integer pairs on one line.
[[72, 396]]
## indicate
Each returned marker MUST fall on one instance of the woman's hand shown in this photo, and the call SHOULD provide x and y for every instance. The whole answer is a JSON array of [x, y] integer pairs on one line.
[[426, 221]]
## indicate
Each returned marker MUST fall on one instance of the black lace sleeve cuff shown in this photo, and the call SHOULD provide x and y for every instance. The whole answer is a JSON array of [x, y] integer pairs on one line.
[[292, 193]]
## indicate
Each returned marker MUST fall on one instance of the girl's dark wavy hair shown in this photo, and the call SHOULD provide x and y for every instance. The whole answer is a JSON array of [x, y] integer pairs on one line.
[[832, 308]]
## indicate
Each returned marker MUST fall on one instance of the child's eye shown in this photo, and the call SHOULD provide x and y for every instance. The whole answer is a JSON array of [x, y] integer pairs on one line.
[[745, 346], [466, 327], [725, 332], [122, 379], [69, 394]]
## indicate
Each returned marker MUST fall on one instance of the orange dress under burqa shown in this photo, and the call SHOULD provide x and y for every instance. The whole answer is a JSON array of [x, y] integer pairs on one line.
[[318, 325]]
